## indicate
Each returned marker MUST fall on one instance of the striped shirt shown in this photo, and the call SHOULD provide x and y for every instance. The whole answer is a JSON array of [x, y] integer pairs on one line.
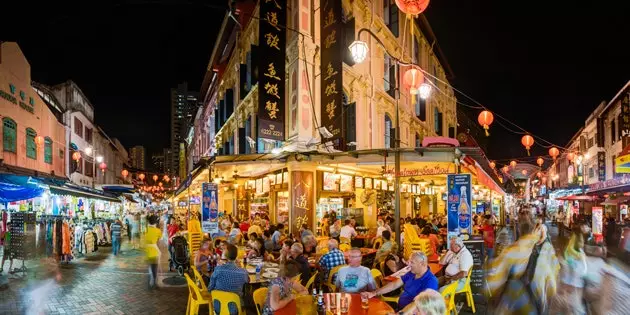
[[116, 229], [511, 265]]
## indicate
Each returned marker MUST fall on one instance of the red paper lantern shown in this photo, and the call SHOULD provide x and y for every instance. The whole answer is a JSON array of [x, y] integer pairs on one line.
[[527, 141], [165, 178], [570, 156], [155, 178], [513, 164], [124, 173], [492, 165], [412, 79], [413, 7], [485, 119], [553, 152], [141, 176], [524, 172], [76, 156], [506, 169], [540, 161], [102, 166], [160, 183]]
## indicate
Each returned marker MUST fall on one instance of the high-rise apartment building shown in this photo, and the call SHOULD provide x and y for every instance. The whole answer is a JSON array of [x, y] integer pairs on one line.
[[137, 157], [157, 161], [184, 104]]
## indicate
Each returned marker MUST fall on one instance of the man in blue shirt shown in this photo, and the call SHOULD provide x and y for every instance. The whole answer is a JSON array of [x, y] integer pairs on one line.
[[276, 237], [332, 259], [418, 279], [229, 277]]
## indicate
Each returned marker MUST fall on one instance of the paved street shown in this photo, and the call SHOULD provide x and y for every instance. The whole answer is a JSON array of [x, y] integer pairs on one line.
[[99, 284]]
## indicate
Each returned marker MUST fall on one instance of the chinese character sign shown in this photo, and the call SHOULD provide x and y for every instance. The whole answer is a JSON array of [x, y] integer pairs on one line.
[[271, 62], [302, 199], [459, 203], [331, 67], [209, 208], [625, 113], [598, 216]]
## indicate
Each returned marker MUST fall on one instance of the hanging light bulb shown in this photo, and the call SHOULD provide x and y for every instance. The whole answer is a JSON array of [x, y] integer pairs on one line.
[[358, 50], [424, 90]]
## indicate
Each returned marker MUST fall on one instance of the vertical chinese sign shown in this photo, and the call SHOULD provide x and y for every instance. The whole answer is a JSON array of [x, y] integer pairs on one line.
[[601, 166], [459, 205], [625, 118], [331, 68], [209, 208], [271, 61], [242, 203], [302, 199]]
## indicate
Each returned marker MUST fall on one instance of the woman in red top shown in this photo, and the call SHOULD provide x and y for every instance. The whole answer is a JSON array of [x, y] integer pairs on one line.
[[488, 237], [172, 228], [429, 232]]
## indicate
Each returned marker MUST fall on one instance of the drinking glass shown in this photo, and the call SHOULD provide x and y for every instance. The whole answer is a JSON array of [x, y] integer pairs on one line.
[[344, 303], [333, 302], [365, 302]]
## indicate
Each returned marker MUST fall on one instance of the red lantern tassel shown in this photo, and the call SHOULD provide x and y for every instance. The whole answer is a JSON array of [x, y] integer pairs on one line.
[[487, 133]]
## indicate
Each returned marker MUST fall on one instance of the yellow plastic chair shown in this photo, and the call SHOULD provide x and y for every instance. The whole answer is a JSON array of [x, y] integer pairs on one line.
[[195, 298], [311, 281], [344, 247], [260, 297], [296, 278], [468, 290], [225, 298], [449, 298], [202, 285], [378, 276], [344, 240], [377, 243], [329, 283]]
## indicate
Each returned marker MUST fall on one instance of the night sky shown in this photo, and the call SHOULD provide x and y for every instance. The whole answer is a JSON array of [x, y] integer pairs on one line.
[[543, 65]]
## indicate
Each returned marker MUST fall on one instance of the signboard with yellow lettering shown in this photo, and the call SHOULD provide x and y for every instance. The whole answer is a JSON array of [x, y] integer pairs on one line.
[[302, 199], [271, 62], [622, 164], [331, 67]]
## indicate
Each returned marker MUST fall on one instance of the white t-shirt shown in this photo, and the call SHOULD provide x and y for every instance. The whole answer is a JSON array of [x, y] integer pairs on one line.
[[379, 231], [355, 279], [348, 232], [461, 261]]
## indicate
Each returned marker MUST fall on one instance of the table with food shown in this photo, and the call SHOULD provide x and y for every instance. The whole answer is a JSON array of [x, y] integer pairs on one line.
[[336, 303]]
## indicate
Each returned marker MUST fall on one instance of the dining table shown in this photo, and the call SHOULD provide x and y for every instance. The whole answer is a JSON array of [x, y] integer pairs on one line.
[[268, 272], [306, 305]]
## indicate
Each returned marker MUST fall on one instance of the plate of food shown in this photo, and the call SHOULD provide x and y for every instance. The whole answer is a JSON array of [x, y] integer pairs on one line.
[[270, 275], [271, 269], [270, 264], [251, 269]]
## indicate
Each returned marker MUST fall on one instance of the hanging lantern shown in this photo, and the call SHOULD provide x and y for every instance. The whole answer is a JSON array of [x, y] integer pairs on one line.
[[492, 165], [165, 177], [524, 172], [102, 166], [513, 164], [124, 173], [160, 183], [553, 152], [485, 119], [570, 156], [527, 141], [540, 161], [506, 169], [412, 79], [413, 7], [141, 176], [76, 156], [539, 174], [155, 178], [39, 140]]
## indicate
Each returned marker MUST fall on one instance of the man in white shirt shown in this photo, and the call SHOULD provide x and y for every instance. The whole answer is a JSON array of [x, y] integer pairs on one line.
[[355, 278], [348, 230], [458, 261]]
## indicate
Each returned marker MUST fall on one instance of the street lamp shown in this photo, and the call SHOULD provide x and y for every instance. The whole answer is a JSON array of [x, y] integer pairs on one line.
[[424, 91], [358, 50], [98, 159]]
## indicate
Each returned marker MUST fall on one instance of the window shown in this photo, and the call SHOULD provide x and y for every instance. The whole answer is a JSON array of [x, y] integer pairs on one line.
[[88, 135], [418, 140], [31, 147], [451, 132], [48, 150], [390, 16], [437, 117], [78, 127], [89, 167], [620, 127], [386, 66], [591, 172], [421, 108], [389, 132], [9, 135], [591, 142], [613, 130]]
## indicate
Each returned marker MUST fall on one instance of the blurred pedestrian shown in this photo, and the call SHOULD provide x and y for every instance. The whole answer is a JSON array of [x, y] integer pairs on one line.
[[569, 299], [151, 240], [116, 230]]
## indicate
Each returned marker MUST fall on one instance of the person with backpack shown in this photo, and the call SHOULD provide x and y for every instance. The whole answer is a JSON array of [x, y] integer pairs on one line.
[[523, 278]]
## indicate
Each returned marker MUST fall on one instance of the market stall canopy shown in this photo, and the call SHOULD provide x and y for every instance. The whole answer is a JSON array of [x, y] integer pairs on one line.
[[78, 191], [118, 188], [16, 188], [583, 197], [615, 201]]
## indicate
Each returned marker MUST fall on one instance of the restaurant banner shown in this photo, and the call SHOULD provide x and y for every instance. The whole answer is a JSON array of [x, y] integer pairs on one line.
[[601, 166], [242, 203], [271, 61], [459, 205], [625, 113], [302, 199], [331, 67], [209, 208]]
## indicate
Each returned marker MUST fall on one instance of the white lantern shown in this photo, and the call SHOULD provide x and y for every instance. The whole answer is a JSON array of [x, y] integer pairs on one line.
[[358, 50], [424, 91]]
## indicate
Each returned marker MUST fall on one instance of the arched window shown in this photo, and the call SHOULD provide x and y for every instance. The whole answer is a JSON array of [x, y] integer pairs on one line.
[[9, 135], [389, 132], [418, 140], [31, 147], [48, 150]]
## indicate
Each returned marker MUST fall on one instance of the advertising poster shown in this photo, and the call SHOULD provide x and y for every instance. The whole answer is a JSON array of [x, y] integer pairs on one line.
[[459, 205], [598, 214], [209, 208]]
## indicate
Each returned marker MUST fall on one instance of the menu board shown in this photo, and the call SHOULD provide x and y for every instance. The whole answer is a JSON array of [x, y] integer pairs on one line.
[[475, 247], [259, 186], [330, 182], [377, 184], [368, 183], [358, 182], [345, 182], [279, 179], [251, 184], [285, 177], [265, 184], [272, 179]]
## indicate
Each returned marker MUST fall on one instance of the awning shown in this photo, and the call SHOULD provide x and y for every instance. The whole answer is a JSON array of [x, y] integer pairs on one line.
[[16, 188], [78, 192], [615, 201], [582, 197]]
